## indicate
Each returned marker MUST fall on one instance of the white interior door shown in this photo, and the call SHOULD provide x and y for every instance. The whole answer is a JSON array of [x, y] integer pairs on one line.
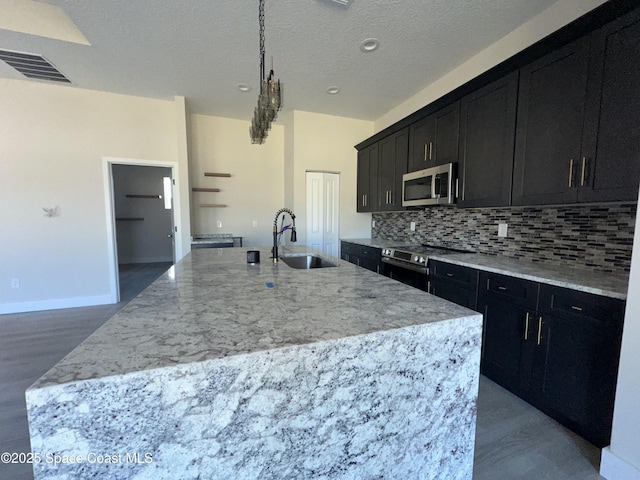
[[323, 209]]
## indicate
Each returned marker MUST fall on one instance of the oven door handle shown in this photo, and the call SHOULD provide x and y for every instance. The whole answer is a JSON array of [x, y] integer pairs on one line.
[[406, 266]]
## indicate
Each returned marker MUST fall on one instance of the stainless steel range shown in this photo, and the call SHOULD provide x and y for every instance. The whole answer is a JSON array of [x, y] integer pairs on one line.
[[409, 264]]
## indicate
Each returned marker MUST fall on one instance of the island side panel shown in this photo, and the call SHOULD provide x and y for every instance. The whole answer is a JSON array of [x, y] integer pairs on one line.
[[398, 404]]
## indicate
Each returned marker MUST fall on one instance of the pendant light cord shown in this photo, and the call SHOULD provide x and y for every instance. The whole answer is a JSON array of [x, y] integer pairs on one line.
[[261, 21]]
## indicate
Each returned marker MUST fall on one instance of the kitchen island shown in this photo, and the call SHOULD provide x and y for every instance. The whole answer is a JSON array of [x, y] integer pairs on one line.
[[223, 370]]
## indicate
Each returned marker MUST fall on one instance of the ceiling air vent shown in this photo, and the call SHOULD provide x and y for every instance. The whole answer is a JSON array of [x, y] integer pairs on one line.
[[33, 66]]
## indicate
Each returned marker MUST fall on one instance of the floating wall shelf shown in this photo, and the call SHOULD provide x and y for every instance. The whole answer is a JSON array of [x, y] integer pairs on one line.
[[199, 189], [212, 205], [210, 174]]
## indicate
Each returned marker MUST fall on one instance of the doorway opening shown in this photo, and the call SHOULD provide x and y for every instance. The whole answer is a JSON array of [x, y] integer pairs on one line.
[[323, 211], [142, 206]]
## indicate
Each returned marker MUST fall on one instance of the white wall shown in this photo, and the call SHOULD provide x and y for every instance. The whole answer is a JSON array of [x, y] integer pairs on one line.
[[621, 460], [52, 142], [542, 25], [325, 142], [255, 190]]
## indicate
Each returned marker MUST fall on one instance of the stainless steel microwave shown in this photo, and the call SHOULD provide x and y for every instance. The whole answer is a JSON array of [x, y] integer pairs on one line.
[[431, 186]]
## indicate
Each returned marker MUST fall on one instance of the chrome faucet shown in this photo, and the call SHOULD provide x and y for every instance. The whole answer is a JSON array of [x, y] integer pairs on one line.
[[294, 236]]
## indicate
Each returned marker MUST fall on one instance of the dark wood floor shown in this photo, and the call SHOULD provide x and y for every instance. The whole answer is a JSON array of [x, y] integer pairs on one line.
[[514, 441], [31, 343]]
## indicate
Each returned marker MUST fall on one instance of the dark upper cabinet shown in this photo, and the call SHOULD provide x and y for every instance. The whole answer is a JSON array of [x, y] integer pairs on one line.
[[393, 152], [367, 187], [487, 132], [610, 162], [433, 140], [551, 104]]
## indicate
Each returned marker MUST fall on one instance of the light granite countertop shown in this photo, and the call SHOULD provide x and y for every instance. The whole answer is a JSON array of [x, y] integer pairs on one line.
[[212, 304], [612, 285], [224, 370]]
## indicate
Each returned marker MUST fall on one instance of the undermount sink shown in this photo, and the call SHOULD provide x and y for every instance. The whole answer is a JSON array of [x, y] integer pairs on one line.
[[305, 262]]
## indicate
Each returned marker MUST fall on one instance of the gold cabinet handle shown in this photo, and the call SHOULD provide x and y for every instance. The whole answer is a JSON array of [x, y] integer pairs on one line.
[[526, 327], [570, 172], [574, 307], [430, 150], [539, 329], [390, 197], [425, 151], [584, 163], [502, 288]]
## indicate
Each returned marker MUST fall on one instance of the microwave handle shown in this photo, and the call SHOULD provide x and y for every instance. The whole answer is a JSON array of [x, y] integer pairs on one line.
[[435, 186]]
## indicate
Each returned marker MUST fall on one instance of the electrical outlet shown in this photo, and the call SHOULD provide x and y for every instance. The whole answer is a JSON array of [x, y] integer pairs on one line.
[[254, 224], [15, 283], [412, 226], [373, 223], [219, 223], [502, 229]]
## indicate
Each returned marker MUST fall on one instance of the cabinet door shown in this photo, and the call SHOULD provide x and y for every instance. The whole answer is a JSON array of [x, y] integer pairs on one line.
[[574, 376], [434, 139], [447, 135], [549, 126], [487, 132], [610, 167], [393, 164], [503, 344], [367, 187], [421, 138]]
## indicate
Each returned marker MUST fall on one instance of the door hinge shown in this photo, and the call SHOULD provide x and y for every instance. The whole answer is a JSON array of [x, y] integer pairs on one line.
[[175, 229], [173, 180]]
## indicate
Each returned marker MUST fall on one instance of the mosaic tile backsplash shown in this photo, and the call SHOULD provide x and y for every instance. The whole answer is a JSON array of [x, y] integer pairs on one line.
[[599, 237]]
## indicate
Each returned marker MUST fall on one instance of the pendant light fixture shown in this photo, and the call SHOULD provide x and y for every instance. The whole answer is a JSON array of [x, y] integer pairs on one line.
[[270, 98]]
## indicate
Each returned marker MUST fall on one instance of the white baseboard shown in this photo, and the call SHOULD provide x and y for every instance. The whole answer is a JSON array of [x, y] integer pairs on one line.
[[613, 467], [58, 303]]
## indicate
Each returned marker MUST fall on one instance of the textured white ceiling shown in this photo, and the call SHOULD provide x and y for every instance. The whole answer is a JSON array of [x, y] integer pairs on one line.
[[202, 49]]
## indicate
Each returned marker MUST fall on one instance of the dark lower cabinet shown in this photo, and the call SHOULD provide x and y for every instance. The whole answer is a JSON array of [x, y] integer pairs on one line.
[[575, 366], [361, 255], [455, 283], [558, 349]]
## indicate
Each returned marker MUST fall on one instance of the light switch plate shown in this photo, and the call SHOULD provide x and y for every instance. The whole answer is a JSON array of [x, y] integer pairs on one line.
[[502, 229], [412, 225], [219, 223]]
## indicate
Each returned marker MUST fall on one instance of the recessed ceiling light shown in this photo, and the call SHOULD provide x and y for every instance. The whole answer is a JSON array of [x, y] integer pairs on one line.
[[243, 87], [369, 45], [333, 90]]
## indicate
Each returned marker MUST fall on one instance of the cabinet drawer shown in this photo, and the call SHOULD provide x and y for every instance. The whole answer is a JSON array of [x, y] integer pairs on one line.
[[581, 306], [517, 291], [348, 248], [462, 276], [371, 253]]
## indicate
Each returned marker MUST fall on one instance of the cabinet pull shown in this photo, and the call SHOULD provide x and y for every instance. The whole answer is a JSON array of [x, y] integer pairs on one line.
[[449, 274], [430, 150], [390, 197], [584, 164], [364, 200], [570, 172], [576, 308], [457, 185], [425, 152], [539, 329], [502, 288], [526, 327]]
